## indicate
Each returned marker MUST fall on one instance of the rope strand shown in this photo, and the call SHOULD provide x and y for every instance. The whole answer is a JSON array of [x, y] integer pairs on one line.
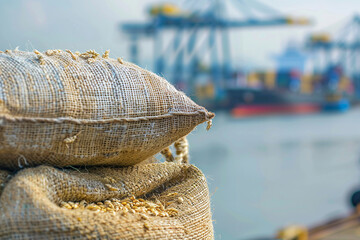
[[166, 152], [182, 150]]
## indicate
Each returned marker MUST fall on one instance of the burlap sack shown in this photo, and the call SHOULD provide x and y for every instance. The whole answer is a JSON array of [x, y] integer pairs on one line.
[[61, 109], [29, 204]]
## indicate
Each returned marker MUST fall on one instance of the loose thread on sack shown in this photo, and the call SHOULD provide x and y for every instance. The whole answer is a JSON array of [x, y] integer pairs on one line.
[[21, 157], [209, 125], [71, 139], [120, 60]]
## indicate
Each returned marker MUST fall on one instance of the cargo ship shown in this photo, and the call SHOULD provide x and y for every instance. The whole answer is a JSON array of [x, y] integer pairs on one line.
[[253, 102], [244, 102], [289, 90]]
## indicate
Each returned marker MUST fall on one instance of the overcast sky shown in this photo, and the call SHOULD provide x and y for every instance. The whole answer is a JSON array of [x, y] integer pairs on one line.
[[89, 24]]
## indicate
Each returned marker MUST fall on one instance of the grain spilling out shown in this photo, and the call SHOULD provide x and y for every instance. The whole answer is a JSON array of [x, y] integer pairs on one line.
[[130, 205]]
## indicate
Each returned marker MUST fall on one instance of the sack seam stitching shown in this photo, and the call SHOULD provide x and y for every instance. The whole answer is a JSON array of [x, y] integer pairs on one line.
[[10, 118]]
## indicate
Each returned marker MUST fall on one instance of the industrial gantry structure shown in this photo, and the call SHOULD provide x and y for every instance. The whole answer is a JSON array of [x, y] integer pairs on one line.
[[184, 37], [341, 49]]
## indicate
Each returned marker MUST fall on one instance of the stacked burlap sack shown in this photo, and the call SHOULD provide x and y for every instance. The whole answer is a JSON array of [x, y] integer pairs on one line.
[[77, 136]]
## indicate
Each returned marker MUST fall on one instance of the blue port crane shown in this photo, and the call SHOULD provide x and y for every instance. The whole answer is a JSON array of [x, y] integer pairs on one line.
[[341, 49], [183, 37]]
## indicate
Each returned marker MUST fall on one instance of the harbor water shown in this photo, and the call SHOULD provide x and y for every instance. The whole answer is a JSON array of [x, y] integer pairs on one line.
[[268, 172]]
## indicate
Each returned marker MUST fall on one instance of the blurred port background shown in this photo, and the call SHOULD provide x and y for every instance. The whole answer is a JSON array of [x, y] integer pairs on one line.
[[282, 76]]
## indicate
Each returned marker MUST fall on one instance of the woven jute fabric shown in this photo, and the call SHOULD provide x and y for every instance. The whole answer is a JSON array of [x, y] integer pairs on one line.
[[60, 108], [30, 203], [4, 176]]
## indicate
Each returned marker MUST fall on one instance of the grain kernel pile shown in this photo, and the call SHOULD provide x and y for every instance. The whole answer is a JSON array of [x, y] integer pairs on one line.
[[129, 205]]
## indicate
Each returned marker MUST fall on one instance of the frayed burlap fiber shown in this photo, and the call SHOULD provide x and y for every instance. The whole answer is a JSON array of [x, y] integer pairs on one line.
[[43, 203], [62, 108]]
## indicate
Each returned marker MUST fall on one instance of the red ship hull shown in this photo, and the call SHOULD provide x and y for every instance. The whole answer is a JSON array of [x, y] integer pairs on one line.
[[260, 110]]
